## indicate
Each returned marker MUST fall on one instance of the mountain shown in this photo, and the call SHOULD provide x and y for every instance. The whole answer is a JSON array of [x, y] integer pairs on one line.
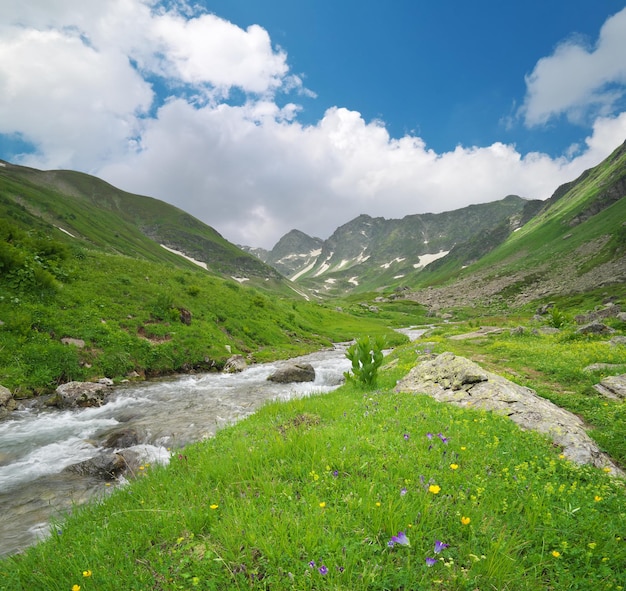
[[574, 243], [292, 254], [83, 210], [369, 253]]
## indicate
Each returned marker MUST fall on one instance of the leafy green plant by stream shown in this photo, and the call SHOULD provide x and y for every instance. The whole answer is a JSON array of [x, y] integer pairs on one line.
[[366, 356]]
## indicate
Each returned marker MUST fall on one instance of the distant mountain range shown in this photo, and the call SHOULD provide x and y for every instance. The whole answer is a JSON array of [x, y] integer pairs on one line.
[[583, 221], [508, 250], [369, 252]]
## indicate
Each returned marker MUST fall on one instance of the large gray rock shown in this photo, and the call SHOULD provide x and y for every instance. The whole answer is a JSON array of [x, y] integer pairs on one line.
[[107, 466], [461, 382], [7, 403], [595, 328], [613, 387], [121, 438], [80, 394], [297, 372], [235, 364]]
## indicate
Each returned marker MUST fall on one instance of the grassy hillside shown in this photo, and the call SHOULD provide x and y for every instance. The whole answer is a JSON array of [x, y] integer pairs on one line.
[[575, 243], [81, 209], [135, 315]]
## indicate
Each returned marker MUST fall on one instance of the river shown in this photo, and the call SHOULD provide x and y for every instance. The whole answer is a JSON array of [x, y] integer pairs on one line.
[[37, 443]]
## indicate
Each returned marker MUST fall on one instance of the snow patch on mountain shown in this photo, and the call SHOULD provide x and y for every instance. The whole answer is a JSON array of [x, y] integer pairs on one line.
[[396, 260], [426, 259]]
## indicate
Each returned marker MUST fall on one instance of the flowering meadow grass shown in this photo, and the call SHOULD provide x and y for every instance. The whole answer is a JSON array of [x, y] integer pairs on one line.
[[352, 490]]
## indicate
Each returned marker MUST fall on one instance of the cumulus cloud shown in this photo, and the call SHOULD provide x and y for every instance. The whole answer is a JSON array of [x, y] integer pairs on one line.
[[136, 92], [579, 81]]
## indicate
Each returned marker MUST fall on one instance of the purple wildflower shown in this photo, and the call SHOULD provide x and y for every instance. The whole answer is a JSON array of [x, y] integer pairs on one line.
[[335, 473], [402, 492], [401, 539], [312, 564], [323, 570], [391, 543], [441, 436], [430, 561], [406, 436], [439, 546], [429, 435]]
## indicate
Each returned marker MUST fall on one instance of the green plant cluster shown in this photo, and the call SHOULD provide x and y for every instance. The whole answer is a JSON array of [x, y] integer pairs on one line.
[[349, 491], [30, 262], [366, 356]]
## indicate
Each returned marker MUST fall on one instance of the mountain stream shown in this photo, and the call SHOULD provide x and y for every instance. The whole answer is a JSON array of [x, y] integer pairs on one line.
[[37, 443]]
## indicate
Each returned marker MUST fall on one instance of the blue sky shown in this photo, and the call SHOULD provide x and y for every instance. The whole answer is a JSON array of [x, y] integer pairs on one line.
[[259, 117]]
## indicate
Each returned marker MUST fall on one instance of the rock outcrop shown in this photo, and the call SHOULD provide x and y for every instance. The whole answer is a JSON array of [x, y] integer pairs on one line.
[[80, 394], [7, 403], [297, 372], [459, 381], [613, 387], [235, 364]]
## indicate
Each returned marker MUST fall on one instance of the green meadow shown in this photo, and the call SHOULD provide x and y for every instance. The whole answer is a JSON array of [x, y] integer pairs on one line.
[[367, 489]]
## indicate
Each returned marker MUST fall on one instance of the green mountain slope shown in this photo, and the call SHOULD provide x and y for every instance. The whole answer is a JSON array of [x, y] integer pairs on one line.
[[575, 243], [93, 213]]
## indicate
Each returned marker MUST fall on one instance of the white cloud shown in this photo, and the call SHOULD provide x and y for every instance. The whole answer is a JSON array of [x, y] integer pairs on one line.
[[208, 49], [255, 181], [577, 81], [75, 80], [63, 95]]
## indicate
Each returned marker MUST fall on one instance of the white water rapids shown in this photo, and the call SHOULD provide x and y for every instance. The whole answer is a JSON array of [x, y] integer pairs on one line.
[[37, 443]]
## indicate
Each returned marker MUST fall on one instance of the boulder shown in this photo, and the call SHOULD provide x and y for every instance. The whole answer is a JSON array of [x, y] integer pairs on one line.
[[595, 328], [601, 367], [80, 394], [296, 372], [122, 438], [613, 387], [235, 364], [7, 403], [462, 382], [105, 465]]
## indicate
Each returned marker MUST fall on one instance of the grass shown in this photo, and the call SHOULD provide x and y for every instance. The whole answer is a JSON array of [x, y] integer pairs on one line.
[[554, 366], [307, 494]]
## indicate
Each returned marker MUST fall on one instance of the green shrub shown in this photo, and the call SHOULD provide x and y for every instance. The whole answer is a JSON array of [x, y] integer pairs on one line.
[[366, 355], [557, 318]]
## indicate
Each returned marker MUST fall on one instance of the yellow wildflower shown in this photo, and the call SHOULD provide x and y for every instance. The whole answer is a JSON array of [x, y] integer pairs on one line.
[[556, 553], [213, 506], [597, 498], [465, 520], [87, 573], [454, 466], [75, 587], [434, 488], [322, 504]]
